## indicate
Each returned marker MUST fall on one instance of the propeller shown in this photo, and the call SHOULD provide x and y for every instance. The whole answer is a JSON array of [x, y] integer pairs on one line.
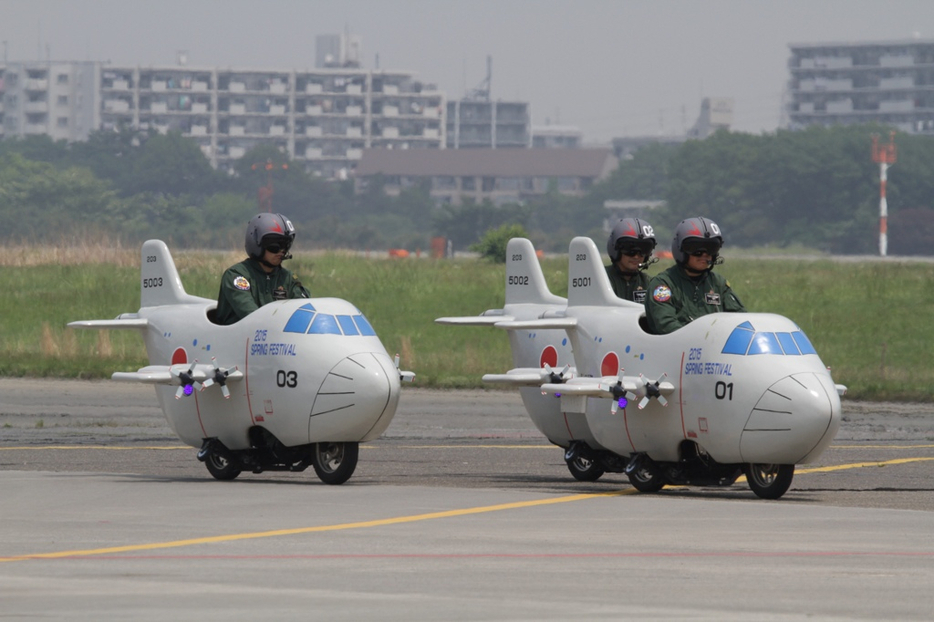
[[621, 397], [186, 381], [652, 391], [557, 378], [219, 378]]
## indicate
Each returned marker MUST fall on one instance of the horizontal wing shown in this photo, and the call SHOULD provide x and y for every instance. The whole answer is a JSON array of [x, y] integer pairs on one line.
[[184, 376], [174, 374], [593, 387], [557, 322], [119, 323], [529, 376], [574, 392], [473, 320]]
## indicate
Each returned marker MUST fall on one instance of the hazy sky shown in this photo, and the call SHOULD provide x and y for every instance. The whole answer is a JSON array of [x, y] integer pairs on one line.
[[610, 67]]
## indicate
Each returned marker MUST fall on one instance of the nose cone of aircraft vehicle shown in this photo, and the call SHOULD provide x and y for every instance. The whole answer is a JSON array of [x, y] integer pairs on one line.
[[357, 399], [793, 422]]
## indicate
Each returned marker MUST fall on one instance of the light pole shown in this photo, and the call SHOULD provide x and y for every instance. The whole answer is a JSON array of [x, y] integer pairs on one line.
[[885, 156], [264, 195]]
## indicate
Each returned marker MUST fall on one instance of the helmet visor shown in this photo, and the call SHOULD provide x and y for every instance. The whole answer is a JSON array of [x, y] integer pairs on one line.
[[700, 246], [276, 244], [632, 248]]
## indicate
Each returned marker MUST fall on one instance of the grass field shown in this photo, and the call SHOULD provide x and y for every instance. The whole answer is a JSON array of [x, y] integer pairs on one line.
[[871, 322]]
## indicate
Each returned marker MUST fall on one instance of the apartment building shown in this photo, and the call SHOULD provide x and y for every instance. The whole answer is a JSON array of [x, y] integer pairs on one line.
[[322, 118], [889, 82], [57, 99], [557, 137], [485, 124]]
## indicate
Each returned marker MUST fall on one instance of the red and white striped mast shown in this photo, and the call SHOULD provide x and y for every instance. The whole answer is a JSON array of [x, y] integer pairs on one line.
[[885, 156]]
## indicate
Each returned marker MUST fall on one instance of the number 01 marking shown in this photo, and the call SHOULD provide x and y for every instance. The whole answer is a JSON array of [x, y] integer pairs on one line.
[[722, 390]]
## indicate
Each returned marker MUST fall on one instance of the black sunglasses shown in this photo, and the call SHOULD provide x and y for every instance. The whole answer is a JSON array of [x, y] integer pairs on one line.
[[275, 248], [701, 252], [632, 251]]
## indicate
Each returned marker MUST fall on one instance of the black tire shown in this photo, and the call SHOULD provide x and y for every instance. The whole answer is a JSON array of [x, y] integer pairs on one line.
[[335, 462], [647, 478], [769, 481], [584, 469], [221, 468]]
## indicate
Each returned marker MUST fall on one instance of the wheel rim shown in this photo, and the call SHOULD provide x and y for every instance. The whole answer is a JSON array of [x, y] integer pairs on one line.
[[764, 474], [330, 457], [582, 464], [643, 475], [218, 462]]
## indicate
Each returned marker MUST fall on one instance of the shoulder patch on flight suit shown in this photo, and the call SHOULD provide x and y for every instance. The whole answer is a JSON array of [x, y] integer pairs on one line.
[[661, 294], [241, 283]]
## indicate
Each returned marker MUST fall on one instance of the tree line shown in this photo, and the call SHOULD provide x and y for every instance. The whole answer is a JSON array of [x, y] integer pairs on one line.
[[816, 188]]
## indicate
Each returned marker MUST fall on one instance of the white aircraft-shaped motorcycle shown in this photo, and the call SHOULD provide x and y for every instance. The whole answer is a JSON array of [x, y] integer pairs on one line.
[[728, 394], [296, 383]]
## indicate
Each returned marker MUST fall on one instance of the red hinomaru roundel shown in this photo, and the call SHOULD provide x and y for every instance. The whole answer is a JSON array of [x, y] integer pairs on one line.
[[610, 364], [549, 357]]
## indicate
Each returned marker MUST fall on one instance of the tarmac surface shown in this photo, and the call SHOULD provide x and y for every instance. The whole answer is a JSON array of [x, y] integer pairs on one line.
[[460, 511]]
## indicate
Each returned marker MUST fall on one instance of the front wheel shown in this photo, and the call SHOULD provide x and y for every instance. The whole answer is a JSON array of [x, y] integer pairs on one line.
[[335, 462], [221, 468], [769, 481], [584, 469]]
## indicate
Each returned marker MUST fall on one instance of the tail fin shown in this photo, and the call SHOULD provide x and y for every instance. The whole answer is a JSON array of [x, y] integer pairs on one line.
[[588, 283], [525, 282], [159, 280]]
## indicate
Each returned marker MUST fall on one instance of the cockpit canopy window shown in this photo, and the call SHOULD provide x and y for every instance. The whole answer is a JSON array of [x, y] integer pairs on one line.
[[746, 341], [306, 319]]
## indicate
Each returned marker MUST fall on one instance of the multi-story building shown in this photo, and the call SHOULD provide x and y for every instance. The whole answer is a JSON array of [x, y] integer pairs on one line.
[[889, 82], [57, 99], [557, 137], [485, 124], [323, 118]]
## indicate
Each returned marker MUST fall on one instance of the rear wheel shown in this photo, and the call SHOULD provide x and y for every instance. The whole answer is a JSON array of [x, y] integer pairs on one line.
[[221, 468], [584, 469], [334, 463], [646, 477], [769, 481]]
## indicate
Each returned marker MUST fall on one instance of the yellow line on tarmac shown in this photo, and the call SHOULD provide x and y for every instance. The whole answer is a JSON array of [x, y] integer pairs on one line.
[[881, 447], [397, 520], [290, 532], [861, 465]]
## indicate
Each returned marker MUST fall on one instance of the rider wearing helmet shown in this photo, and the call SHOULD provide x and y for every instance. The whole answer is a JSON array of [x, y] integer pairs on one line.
[[690, 289], [260, 278], [630, 247]]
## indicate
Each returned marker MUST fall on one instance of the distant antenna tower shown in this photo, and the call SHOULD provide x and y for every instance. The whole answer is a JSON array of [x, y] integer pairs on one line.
[[482, 91], [885, 156]]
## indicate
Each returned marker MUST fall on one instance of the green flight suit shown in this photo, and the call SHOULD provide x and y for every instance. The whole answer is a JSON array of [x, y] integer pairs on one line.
[[633, 289], [245, 287], [676, 298]]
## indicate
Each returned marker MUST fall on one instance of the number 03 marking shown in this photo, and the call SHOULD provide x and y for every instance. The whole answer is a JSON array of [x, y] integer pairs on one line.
[[287, 379]]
